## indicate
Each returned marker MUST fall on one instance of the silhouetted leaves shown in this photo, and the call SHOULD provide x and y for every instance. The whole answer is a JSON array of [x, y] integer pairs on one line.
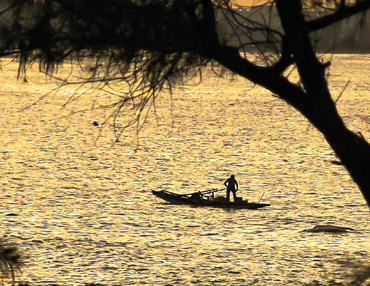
[[10, 260]]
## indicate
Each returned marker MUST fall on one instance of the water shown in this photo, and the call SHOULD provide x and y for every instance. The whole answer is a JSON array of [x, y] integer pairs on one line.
[[80, 207]]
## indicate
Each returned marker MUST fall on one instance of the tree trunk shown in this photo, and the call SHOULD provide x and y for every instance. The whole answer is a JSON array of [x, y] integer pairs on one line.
[[352, 149], [354, 152], [318, 106], [313, 98]]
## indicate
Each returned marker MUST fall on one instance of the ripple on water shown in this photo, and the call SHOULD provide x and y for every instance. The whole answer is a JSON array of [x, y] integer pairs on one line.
[[82, 210]]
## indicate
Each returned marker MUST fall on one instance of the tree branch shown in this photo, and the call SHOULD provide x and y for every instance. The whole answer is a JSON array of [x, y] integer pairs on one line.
[[298, 43], [268, 77], [342, 13], [286, 58]]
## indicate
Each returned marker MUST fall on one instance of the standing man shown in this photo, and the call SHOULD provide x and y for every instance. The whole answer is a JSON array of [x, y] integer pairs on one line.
[[232, 186]]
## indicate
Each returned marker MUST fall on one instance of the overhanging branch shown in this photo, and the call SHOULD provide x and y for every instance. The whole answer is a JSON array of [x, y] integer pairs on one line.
[[342, 13], [268, 77]]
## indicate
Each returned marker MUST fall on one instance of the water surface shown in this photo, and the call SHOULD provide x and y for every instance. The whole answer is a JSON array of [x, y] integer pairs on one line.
[[80, 206]]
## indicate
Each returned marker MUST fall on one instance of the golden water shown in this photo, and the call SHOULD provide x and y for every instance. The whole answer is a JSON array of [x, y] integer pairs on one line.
[[80, 207]]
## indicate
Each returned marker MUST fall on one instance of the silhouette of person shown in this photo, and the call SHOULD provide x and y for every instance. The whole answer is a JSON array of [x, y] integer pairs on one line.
[[232, 186]]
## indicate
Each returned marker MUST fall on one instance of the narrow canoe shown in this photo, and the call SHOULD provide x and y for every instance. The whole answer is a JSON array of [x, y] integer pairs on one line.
[[196, 199]]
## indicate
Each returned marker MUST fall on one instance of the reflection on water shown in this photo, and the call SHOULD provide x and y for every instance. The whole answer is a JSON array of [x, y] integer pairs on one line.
[[82, 210]]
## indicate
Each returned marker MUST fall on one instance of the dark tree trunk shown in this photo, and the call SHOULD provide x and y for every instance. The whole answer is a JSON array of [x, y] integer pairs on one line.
[[352, 149], [318, 107], [313, 98]]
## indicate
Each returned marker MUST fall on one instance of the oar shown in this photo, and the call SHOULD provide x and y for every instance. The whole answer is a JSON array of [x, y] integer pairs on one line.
[[205, 192], [212, 191], [261, 198]]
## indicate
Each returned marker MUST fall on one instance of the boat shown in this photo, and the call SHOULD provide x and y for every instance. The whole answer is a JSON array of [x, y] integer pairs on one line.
[[206, 199]]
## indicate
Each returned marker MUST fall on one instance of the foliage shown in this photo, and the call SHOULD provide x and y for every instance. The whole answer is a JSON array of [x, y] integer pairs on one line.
[[145, 46], [150, 45], [10, 261]]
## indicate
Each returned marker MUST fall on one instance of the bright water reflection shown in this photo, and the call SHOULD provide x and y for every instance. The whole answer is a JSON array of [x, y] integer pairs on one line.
[[82, 210]]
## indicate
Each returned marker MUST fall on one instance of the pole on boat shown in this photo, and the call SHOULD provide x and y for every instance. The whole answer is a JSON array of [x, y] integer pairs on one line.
[[261, 198], [204, 192]]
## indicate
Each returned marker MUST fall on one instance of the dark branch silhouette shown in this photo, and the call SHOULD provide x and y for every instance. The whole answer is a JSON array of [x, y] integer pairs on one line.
[[343, 12]]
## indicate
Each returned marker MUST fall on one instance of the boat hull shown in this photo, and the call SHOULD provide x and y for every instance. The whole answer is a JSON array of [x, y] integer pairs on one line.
[[179, 199]]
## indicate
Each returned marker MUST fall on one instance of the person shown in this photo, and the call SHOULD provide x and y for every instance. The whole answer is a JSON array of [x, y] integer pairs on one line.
[[232, 186]]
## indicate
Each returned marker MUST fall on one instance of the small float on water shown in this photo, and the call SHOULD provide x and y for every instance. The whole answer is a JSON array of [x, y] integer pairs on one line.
[[206, 199]]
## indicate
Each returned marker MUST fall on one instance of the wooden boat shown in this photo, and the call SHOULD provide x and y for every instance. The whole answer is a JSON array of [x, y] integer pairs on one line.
[[206, 199]]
